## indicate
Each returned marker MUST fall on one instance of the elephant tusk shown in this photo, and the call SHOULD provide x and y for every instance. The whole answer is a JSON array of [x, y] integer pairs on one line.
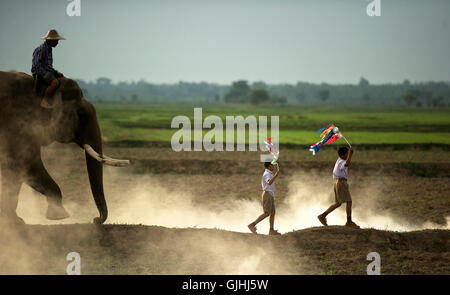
[[105, 159], [115, 162]]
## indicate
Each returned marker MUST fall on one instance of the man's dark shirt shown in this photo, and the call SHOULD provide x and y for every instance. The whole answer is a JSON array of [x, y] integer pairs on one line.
[[42, 61]]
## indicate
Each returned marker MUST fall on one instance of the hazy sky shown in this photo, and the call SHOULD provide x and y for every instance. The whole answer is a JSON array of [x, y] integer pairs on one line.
[[221, 41]]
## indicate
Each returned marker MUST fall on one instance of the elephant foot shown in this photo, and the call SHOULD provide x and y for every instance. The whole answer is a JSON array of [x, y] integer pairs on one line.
[[55, 212], [99, 220]]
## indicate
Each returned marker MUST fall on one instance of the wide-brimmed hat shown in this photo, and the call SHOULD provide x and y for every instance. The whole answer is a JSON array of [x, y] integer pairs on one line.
[[52, 35]]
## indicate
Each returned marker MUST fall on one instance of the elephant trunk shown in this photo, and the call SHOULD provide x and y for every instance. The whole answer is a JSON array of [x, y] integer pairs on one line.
[[89, 138], [95, 170]]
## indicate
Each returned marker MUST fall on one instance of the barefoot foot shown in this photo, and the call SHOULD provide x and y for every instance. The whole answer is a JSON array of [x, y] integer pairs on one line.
[[351, 224], [252, 228], [274, 233]]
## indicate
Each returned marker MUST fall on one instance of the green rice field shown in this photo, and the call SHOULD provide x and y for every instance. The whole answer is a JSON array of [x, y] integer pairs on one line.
[[297, 125]]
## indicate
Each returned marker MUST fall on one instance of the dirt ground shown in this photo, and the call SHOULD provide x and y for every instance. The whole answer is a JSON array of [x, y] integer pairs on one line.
[[135, 249], [186, 213]]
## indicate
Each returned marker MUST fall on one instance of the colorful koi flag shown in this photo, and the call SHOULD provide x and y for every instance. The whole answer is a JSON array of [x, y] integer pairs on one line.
[[329, 134]]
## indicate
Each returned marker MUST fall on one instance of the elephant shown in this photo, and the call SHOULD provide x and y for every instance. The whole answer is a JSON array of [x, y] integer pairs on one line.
[[25, 127]]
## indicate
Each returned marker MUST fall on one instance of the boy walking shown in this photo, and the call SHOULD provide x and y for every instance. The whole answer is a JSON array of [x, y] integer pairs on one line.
[[268, 201], [341, 191]]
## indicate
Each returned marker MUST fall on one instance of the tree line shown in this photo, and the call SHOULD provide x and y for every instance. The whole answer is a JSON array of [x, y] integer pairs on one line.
[[422, 94]]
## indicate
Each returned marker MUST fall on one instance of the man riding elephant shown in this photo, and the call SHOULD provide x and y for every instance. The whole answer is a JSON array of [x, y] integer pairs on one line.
[[25, 128], [42, 67]]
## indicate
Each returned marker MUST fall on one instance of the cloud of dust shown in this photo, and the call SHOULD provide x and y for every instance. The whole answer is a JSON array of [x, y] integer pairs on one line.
[[148, 202], [309, 197], [135, 199], [139, 199]]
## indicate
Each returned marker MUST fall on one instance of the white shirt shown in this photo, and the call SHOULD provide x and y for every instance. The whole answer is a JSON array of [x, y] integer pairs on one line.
[[340, 170], [270, 188]]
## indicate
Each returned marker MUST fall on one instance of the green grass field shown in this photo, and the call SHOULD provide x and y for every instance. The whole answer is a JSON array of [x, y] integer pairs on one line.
[[297, 124]]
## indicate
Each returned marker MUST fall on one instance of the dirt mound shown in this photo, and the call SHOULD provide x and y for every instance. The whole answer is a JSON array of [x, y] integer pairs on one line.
[[136, 249]]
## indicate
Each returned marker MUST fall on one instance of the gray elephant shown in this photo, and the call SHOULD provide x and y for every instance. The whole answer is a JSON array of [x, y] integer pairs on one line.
[[25, 127]]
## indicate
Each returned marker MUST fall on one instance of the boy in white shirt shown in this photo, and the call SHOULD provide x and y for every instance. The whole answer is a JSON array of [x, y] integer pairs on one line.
[[268, 201], [341, 191]]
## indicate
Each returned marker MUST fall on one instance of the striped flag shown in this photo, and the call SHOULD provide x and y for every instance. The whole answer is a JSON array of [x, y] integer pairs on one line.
[[329, 134]]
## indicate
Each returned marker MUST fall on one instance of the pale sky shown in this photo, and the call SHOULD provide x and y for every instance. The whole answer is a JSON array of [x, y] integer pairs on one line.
[[277, 41]]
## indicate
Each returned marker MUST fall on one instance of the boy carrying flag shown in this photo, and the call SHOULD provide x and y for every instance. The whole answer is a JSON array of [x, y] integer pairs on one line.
[[341, 191], [268, 201]]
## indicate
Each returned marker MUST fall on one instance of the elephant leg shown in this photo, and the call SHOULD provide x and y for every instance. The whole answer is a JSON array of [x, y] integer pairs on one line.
[[39, 179], [11, 183]]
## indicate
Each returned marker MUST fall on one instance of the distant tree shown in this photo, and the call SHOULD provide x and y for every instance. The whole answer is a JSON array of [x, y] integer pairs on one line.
[[258, 96], [366, 98], [437, 102], [428, 97], [301, 97], [324, 94], [363, 82], [410, 98], [104, 81], [278, 100], [134, 98], [406, 82], [259, 84], [85, 92], [417, 93], [217, 97], [238, 92]]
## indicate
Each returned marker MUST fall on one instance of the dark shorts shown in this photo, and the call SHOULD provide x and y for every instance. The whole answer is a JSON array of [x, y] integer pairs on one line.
[[42, 82]]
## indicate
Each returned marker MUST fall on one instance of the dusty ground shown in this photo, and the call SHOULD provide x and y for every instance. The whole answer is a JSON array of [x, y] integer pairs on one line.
[[134, 249], [401, 198]]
